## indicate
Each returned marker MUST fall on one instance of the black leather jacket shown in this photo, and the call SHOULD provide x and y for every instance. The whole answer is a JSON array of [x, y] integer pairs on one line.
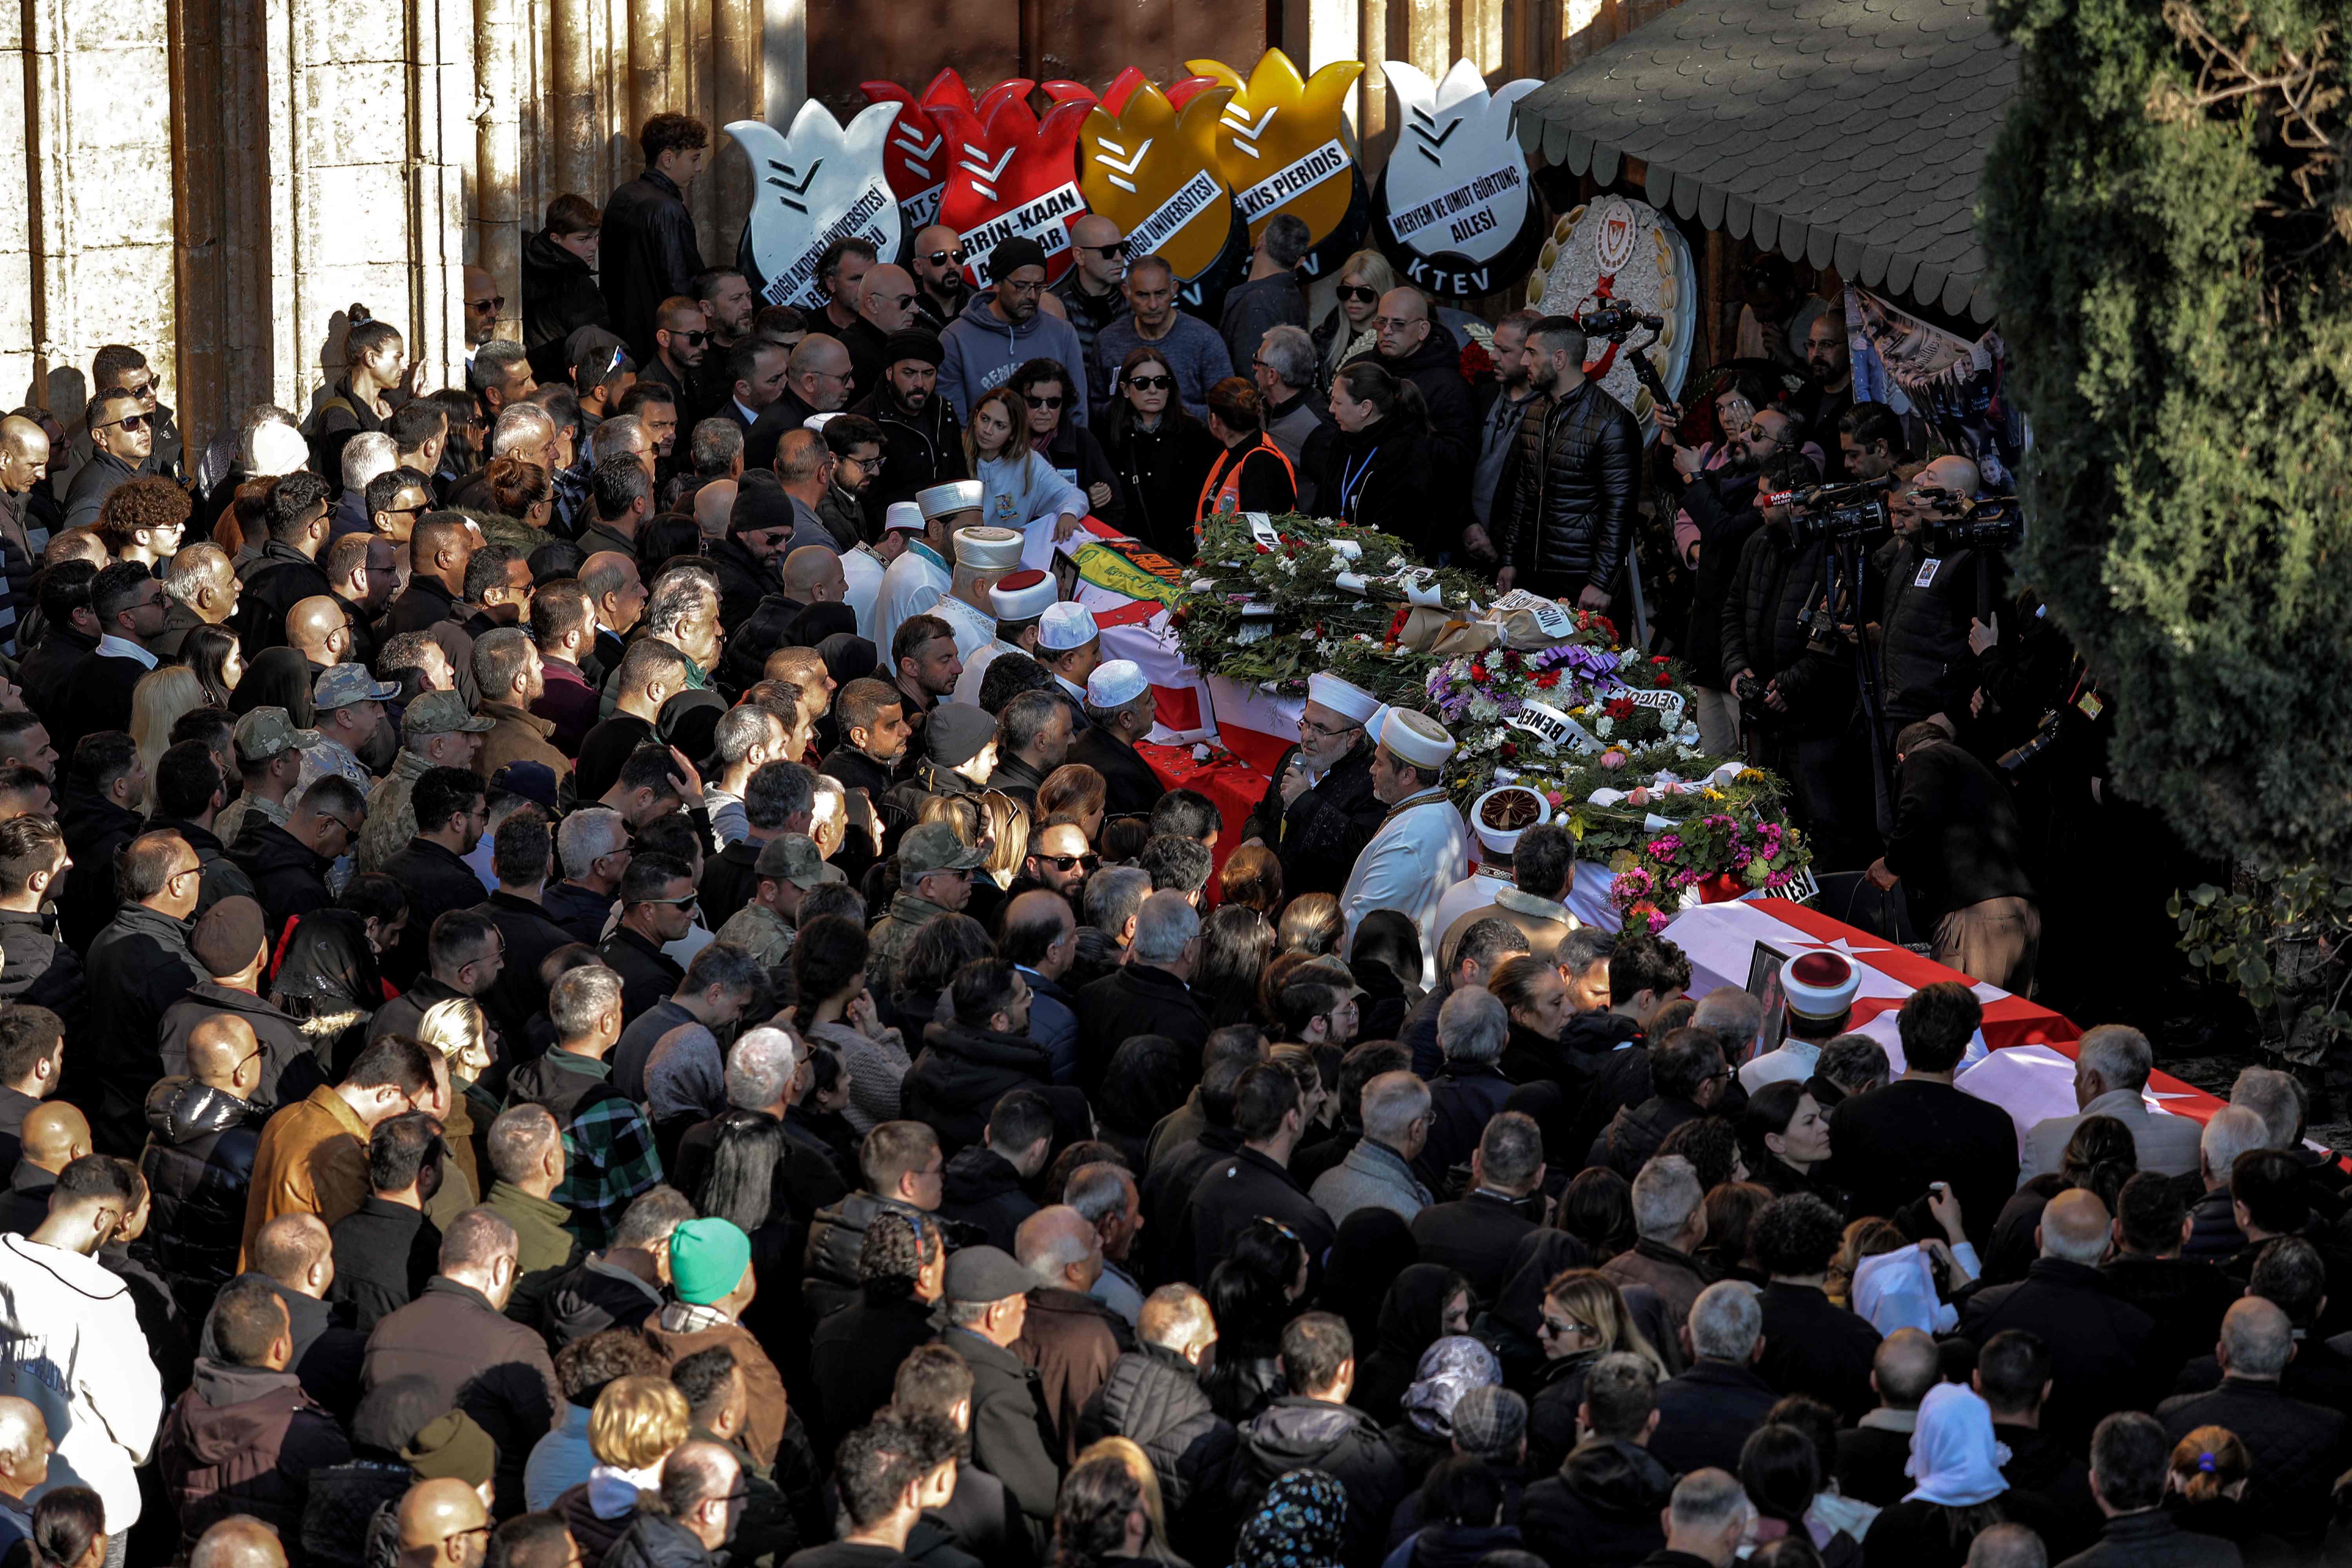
[[1577, 476]]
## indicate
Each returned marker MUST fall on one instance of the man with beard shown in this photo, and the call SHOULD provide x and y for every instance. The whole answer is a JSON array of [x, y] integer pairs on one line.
[[1002, 329], [1828, 391], [873, 733], [682, 351], [918, 575], [1796, 682], [885, 304], [727, 301], [841, 269], [855, 443], [939, 285], [922, 441], [1570, 513], [1188, 345], [1502, 404], [1721, 504], [1090, 292], [1319, 812], [1412, 347]]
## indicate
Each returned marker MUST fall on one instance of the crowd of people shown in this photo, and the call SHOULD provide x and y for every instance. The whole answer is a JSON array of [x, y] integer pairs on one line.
[[590, 974]]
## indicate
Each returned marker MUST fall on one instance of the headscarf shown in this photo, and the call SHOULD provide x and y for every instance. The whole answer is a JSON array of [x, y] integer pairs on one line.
[[847, 657], [1898, 1290], [1414, 1309], [1374, 1246], [1953, 1456], [1449, 1369], [275, 678], [1300, 1525]]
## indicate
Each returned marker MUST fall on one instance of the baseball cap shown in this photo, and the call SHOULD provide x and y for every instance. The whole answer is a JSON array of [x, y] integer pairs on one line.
[[931, 847], [440, 713], [532, 781], [985, 1273], [266, 732], [341, 685], [793, 858]]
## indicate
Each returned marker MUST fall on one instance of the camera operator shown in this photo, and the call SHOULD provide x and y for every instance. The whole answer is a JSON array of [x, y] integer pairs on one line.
[[1925, 666], [1958, 851], [1563, 529], [1871, 441], [1784, 655], [1719, 512]]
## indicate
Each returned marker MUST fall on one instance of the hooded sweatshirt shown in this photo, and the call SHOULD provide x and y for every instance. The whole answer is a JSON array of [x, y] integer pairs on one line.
[[1295, 1433], [70, 1342], [983, 351], [1601, 1509], [244, 1439]]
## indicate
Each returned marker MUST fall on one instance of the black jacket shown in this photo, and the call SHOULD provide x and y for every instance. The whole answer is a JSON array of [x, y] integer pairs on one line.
[[559, 296], [1760, 626], [1473, 1236], [744, 580], [855, 1354], [1319, 835], [1811, 1346], [1136, 999], [1168, 1194], [516, 996], [1009, 1436], [1888, 1144], [96, 696], [2099, 1345], [1601, 1510], [649, 254], [289, 877], [1723, 506], [1244, 1187], [1705, 1414], [1153, 1398], [1956, 840], [1578, 475], [1923, 661], [2183, 1299], [223, 877], [2299, 1449], [95, 829], [2152, 1540], [648, 978], [981, 1187], [280, 578], [38, 970], [284, 1049], [655, 1540], [1298, 1433], [1161, 471], [1451, 447], [1380, 477], [139, 966], [1463, 1098], [961, 1075], [920, 447], [436, 881], [581, 912], [829, 1278], [1131, 788], [384, 1253], [199, 1164], [1637, 1130]]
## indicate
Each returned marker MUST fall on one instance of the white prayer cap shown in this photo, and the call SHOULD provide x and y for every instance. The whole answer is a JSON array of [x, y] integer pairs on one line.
[[1115, 684], [1341, 697], [987, 548], [903, 517], [1820, 984], [278, 449], [956, 495], [1023, 596], [1416, 738], [1064, 626]]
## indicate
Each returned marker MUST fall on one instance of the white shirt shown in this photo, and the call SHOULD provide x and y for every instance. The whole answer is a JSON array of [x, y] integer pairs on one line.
[[910, 585], [1474, 892], [973, 631], [975, 668], [864, 570], [112, 646], [70, 1342], [1419, 852], [1792, 1059]]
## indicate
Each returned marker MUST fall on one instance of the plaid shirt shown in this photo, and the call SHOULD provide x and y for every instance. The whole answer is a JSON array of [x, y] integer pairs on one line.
[[610, 1160]]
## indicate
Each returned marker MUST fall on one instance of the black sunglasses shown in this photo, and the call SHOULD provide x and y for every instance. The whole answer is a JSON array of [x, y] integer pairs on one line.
[[693, 340], [1151, 382], [1064, 862], [128, 422], [1115, 247], [1054, 402], [1358, 293], [944, 258]]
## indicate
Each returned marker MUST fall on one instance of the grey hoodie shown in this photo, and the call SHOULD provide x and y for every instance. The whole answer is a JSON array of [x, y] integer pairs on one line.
[[982, 352]]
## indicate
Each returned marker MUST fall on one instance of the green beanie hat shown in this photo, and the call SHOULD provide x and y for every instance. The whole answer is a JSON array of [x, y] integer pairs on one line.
[[706, 1260]]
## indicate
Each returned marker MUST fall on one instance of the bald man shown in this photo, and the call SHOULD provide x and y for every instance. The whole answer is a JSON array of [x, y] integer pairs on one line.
[[482, 304], [1929, 667], [938, 262], [297, 1253], [442, 1524], [199, 1155], [1070, 1336], [25, 1450], [816, 381], [713, 503], [439, 548], [317, 629], [28, 512], [1872, 1455], [2100, 1346], [1090, 294], [54, 1135], [885, 304], [240, 1540]]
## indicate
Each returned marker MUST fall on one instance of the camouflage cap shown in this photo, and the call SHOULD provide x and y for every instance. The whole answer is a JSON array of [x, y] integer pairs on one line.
[[345, 684], [934, 847], [266, 731], [793, 858], [438, 713]]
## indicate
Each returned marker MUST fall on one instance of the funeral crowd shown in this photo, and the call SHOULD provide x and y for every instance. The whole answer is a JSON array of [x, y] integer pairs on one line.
[[591, 974]]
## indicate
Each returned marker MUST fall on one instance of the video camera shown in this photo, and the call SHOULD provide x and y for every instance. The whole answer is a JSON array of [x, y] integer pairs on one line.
[[1997, 522], [1855, 510], [1617, 322]]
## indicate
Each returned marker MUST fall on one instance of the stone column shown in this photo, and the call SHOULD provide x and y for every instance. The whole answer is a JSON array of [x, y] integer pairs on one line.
[[441, 85], [499, 219], [20, 368], [737, 68]]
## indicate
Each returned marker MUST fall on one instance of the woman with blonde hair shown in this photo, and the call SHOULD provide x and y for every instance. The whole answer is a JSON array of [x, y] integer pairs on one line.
[[1584, 1317], [158, 702], [1348, 331], [457, 1030], [1311, 924], [1004, 839], [634, 1424], [961, 812], [1129, 1457]]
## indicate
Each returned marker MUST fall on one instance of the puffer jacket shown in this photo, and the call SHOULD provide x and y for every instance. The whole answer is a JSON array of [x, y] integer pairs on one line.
[[244, 1439], [38, 970], [836, 1237], [1761, 628], [1637, 1130], [655, 1540], [982, 1187], [1153, 1398], [199, 1164], [1298, 1433], [962, 1073], [1572, 512], [1922, 650], [1602, 1509]]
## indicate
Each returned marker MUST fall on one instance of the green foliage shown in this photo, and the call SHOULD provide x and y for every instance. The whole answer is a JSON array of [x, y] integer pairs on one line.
[[2282, 941], [2166, 217]]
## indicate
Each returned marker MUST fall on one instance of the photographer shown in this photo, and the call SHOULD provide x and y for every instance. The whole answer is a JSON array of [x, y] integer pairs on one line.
[[1958, 850], [1784, 658], [1719, 512], [1926, 665]]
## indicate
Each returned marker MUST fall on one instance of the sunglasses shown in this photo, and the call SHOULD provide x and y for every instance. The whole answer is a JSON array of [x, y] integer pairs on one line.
[[494, 302], [1064, 862], [1048, 403], [685, 903], [1115, 247], [899, 301], [1151, 382], [945, 258], [1358, 293], [1552, 1325], [128, 422]]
